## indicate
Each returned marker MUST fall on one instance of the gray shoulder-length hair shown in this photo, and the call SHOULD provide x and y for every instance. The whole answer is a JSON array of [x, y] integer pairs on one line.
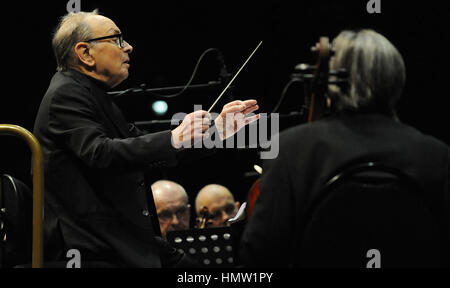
[[70, 30], [376, 72]]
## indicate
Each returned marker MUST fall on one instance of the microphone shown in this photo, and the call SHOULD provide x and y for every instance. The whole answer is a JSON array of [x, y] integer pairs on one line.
[[224, 75]]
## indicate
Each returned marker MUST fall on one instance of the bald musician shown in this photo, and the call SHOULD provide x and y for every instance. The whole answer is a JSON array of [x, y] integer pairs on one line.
[[172, 206], [220, 204]]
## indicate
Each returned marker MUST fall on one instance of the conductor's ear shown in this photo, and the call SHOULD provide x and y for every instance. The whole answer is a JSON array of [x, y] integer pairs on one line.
[[82, 52]]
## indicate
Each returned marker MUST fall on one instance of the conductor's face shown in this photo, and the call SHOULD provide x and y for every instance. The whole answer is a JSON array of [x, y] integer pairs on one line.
[[108, 53]]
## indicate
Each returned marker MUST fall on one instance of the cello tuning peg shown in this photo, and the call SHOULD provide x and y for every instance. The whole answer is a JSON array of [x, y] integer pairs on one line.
[[315, 48]]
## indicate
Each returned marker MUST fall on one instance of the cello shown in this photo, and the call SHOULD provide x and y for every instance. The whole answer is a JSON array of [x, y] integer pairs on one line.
[[317, 79]]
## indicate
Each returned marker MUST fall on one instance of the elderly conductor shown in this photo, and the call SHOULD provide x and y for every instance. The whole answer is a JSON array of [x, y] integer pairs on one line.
[[97, 198]]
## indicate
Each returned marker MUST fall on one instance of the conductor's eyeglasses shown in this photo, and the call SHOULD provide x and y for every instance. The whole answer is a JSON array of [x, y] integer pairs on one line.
[[119, 39]]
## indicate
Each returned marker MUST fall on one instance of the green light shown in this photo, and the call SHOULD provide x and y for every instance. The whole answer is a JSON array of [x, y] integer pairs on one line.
[[160, 107]]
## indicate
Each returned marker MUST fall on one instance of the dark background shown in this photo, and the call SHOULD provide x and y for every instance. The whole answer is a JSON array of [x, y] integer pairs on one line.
[[169, 36]]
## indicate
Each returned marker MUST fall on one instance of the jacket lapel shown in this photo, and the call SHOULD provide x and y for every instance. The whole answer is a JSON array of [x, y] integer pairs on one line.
[[105, 103], [111, 111]]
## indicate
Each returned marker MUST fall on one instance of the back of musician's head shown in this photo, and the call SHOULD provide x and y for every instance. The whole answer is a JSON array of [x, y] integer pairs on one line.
[[376, 72]]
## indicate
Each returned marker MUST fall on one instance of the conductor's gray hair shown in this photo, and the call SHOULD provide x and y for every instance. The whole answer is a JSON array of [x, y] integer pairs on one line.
[[71, 29], [376, 72]]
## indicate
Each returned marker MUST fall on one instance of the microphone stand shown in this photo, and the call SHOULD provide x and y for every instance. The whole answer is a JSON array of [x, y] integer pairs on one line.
[[143, 90], [225, 76]]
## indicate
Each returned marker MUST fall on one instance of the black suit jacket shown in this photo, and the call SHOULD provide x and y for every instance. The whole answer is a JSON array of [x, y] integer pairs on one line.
[[97, 199], [311, 153]]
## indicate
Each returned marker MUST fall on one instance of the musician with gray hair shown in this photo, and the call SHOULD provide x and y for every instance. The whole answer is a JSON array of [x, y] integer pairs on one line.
[[376, 73], [363, 126]]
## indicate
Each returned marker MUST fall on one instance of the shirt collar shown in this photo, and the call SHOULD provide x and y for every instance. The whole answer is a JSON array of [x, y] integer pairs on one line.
[[87, 80]]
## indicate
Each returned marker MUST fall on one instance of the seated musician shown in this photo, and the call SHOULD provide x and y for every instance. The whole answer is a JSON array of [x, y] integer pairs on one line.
[[363, 127], [219, 204], [172, 206]]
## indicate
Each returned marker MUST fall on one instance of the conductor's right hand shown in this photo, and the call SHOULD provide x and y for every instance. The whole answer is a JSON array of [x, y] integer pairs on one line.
[[192, 129]]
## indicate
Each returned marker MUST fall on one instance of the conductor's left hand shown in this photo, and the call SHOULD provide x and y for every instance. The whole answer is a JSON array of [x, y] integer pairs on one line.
[[234, 117]]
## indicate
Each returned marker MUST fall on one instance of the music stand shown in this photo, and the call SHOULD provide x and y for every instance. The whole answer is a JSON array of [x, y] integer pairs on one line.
[[211, 247]]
